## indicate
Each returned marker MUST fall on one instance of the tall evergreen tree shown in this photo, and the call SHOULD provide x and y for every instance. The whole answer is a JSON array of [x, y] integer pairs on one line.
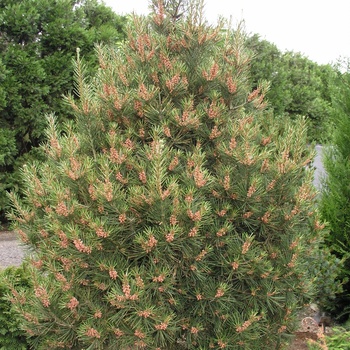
[[335, 199], [298, 86], [175, 212]]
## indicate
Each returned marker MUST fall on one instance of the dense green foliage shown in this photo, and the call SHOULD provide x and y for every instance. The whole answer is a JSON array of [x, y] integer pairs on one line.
[[298, 86], [176, 211], [40, 38], [338, 339], [11, 335], [334, 204], [37, 44], [327, 271]]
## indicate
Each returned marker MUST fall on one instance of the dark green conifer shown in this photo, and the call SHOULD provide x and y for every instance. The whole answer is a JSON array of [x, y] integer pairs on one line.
[[334, 203]]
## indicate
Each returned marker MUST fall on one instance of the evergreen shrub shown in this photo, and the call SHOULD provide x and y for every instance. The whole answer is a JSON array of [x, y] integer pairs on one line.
[[175, 212]]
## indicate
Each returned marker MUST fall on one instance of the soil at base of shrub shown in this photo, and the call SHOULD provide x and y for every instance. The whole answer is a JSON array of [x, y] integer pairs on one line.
[[301, 339]]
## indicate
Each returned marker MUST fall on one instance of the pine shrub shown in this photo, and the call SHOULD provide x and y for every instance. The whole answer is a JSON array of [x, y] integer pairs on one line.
[[175, 212]]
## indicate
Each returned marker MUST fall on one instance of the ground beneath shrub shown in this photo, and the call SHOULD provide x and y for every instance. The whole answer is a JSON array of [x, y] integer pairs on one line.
[[308, 330], [12, 253], [301, 339]]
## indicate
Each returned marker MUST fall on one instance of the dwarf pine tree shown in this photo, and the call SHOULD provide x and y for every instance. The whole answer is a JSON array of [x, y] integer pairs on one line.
[[175, 211]]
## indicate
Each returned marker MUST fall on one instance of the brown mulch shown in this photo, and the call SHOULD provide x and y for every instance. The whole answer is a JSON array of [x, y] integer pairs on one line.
[[301, 339]]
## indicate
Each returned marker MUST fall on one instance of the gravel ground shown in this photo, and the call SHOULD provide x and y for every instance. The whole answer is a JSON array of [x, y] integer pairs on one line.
[[11, 250]]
